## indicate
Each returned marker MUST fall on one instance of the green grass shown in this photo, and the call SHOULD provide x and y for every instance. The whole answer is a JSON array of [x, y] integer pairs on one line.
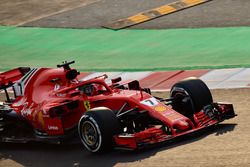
[[126, 50]]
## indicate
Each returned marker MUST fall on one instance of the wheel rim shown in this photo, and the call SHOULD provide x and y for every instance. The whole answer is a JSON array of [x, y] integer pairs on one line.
[[89, 133]]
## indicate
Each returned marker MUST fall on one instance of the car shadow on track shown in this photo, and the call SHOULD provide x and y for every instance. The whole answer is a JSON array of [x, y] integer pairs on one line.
[[38, 155]]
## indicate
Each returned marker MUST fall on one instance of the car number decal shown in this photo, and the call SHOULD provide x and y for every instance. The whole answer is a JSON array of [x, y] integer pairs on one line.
[[150, 102]]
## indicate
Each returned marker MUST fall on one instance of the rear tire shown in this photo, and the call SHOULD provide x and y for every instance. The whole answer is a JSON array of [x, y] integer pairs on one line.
[[190, 96], [97, 128]]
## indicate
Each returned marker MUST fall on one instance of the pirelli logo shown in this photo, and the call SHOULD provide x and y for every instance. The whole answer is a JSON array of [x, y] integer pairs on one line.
[[153, 13]]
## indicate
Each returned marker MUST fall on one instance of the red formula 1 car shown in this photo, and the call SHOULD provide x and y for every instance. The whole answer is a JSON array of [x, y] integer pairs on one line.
[[53, 105]]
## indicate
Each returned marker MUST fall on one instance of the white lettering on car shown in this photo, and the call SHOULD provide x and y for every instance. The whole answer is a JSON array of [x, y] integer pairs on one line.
[[51, 127]]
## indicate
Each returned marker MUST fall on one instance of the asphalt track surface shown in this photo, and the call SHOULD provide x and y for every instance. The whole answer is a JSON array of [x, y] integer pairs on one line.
[[222, 146], [96, 13], [216, 13], [18, 12]]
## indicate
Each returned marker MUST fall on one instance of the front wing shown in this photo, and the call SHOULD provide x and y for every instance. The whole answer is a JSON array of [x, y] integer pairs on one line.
[[210, 116]]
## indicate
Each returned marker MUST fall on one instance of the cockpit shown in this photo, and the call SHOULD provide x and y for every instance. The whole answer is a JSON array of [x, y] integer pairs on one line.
[[92, 89]]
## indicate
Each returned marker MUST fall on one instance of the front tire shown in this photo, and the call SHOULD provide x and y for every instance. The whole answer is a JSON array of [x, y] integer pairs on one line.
[[190, 96], [97, 128]]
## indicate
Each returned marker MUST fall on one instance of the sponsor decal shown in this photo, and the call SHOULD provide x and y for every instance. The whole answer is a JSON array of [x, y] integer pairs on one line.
[[86, 105], [51, 127], [160, 108]]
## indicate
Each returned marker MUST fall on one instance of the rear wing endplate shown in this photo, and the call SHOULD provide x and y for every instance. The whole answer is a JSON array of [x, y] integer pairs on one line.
[[8, 78]]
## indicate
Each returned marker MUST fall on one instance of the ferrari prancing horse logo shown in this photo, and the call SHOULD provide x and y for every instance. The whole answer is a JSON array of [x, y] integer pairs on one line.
[[86, 105]]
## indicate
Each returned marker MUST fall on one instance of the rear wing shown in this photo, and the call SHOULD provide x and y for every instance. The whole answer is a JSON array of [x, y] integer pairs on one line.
[[8, 78]]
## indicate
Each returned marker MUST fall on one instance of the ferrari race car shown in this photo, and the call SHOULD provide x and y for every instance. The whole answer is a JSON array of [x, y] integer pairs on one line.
[[53, 105]]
